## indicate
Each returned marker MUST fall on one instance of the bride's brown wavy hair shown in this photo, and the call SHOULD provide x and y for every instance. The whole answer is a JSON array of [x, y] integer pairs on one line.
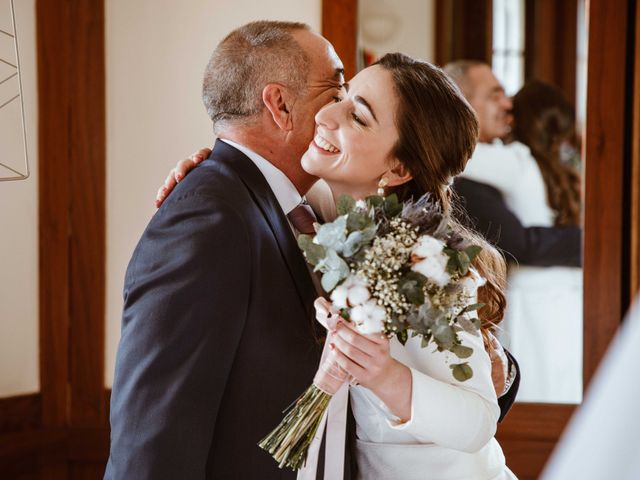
[[438, 132]]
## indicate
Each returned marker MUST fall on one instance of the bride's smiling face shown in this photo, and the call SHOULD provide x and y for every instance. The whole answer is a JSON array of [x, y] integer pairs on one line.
[[354, 139]]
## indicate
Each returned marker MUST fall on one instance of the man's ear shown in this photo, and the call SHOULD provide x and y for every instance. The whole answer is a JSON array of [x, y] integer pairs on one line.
[[398, 174], [278, 101]]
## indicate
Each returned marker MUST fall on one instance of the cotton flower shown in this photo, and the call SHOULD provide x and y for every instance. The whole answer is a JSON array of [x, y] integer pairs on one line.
[[352, 292], [369, 317], [431, 260]]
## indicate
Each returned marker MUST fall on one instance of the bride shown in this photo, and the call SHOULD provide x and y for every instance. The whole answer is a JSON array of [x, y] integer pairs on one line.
[[402, 125]]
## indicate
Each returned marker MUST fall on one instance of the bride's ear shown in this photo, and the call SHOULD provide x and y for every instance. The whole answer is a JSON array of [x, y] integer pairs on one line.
[[398, 174], [278, 101]]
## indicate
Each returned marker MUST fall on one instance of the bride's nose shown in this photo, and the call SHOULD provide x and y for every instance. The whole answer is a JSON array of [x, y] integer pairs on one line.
[[327, 116]]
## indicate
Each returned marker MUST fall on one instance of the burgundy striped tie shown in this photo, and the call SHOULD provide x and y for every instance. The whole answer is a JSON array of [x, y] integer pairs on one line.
[[302, 219]]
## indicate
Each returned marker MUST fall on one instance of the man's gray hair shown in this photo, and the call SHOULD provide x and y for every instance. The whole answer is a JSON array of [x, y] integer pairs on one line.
[[248, 59], [458, 70]]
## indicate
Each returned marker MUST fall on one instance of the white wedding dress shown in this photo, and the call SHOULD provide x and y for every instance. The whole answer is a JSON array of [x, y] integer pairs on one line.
[[543, 322], [450, 435]]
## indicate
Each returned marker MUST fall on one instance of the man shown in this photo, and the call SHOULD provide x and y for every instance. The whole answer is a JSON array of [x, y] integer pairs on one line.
[[217, 336], [537, 246], [217, 333]]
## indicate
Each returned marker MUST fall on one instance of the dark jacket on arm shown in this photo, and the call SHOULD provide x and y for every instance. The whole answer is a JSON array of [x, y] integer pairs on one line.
[[536, 246], [217, 331]]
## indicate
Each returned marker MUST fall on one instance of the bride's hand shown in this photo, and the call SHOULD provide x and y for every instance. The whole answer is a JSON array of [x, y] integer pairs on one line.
[[368, 360], [326, 314], [182, 168]]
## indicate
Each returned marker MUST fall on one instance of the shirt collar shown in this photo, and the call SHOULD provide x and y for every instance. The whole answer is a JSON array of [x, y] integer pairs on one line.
[[283, 189]]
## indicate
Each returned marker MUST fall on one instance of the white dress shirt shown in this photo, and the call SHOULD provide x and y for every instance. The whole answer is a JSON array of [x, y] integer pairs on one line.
[[284, 190]]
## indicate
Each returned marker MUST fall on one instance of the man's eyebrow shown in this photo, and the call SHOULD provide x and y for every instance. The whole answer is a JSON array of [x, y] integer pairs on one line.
[[362, 101]]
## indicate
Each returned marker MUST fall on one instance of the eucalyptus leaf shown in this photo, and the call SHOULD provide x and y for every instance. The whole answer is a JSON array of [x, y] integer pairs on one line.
[[374, 200], [345, 204], [369, 233], [461, 351], [426, 339], [333, 235], [313, 252], [411, 286], [402, 336], [352, 244], [472, 251], [462, 371], [468, 326], [453, 265], [471, 308], [392, 206], [330, 279], [464, 261], [444, 335], [357, 221]]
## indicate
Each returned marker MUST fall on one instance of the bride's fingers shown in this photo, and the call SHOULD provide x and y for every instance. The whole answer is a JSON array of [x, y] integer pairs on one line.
[[169, 184], [185, 166], [200, 155], [326, 314], [378, 338], [352, 351], [160, 196], [352, 368]]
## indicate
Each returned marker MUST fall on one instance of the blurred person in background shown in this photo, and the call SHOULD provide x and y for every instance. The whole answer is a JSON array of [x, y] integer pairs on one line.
[[525, 197]]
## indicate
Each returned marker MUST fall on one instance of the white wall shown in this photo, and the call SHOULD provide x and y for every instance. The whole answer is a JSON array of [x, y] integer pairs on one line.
[[19, 372], [156, 54], [405, 26]]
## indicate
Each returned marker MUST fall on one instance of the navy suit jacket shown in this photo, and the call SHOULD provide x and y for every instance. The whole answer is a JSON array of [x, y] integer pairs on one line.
[[217, 331], [538, 246]]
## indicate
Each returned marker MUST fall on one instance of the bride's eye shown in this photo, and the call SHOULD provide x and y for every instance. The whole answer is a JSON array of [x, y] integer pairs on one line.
[[358, 120]]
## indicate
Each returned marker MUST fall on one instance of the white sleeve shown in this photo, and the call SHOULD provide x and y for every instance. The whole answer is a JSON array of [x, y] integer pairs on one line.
[[453, 414]]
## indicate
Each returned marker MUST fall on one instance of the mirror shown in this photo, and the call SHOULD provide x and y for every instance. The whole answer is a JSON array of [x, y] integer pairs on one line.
[[532, 170]]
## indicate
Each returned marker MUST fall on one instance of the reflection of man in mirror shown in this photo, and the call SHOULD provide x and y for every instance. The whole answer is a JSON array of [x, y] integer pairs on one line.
[[481, 185], [525, 198]]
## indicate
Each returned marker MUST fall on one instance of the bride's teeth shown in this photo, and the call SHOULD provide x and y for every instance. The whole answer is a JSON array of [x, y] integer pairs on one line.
[[322, 143]]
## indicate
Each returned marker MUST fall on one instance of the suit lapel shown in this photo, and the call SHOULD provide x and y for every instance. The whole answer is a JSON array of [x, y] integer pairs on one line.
[[271, 210]]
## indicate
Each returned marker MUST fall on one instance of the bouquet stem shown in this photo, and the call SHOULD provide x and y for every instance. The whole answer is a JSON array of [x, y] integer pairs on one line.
[[289, 442]]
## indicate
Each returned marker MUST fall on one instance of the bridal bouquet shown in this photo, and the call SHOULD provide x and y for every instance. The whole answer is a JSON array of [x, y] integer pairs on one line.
[[394, 268]]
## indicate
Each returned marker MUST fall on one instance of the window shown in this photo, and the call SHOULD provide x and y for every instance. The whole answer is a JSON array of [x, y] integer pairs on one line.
[[508, 43]]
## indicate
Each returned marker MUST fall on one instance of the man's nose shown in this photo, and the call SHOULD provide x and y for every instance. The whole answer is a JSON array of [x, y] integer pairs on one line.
[[507, 103]]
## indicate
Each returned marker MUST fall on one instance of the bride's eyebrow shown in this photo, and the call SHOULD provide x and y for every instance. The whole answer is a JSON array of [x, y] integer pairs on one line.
[[364, 103]]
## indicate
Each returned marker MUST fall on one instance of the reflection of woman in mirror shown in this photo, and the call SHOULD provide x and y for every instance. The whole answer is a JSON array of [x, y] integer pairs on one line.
[[545, 122], [405, 122], [544, 319]]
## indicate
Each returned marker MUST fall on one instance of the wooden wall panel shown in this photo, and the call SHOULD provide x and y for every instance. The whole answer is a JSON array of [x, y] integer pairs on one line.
[[634, 267], [87, 179], [551, 43], [464, 30], [339, 26], [54, 63], [604, 178]]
